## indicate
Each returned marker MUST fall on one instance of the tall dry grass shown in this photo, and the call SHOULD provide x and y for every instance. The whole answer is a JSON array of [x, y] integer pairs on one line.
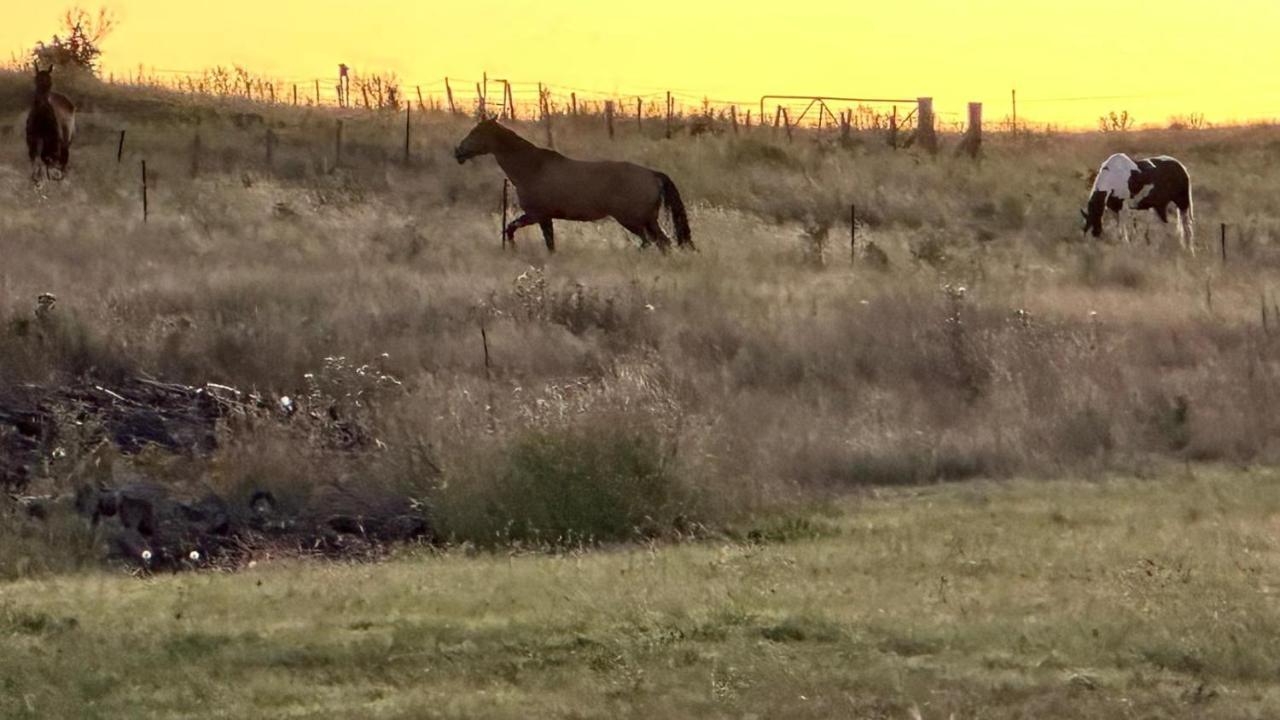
[[752, 374]]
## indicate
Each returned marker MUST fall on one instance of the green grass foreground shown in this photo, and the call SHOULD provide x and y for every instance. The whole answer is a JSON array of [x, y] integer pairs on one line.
[[1111, 598]]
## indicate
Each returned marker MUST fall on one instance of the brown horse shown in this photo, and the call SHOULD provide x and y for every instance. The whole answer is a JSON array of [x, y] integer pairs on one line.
[[51, 124], [553, 187]]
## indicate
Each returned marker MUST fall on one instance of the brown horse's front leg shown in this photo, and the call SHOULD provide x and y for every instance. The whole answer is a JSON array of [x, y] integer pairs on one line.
[[522, 221], [548, 234]]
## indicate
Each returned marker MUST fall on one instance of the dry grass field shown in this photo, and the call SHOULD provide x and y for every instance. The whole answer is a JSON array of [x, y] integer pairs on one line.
[[633, 401]]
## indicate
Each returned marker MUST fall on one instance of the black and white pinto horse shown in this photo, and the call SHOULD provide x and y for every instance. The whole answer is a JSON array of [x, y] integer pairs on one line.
[[1151, 184]]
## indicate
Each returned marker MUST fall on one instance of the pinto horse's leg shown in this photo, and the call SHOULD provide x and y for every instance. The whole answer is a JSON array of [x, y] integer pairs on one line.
[[548, 234], [522, 221]]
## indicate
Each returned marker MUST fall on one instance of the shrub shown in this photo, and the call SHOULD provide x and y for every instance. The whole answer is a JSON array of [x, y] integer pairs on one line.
[[606, 480]]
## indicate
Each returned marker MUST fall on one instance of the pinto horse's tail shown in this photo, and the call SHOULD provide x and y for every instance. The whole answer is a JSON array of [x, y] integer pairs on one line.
[[675, 206]]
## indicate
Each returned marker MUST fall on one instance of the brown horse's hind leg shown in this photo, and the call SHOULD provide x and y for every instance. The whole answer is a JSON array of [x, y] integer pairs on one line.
[[642, 232], [548, 234]]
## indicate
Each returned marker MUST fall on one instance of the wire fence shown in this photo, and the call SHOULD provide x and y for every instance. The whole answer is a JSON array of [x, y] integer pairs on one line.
[[525, 100]]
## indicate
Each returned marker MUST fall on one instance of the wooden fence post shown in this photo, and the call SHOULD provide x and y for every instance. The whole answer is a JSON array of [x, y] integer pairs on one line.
[[573, 99], [893, 128], [1015, 113], [1224, 243], [544, 102], [972, 143], [608, 116], [786, 122], [448, 90], [421, 107], [146, 211], [337, 148], [120, 148], [503, 230], [295, 94], [481, 110], [639, 115], [733, 117], [748, 121], [408, 110], [317, 93], [197, 147], [670, 108], [853, 233], [926, 134]]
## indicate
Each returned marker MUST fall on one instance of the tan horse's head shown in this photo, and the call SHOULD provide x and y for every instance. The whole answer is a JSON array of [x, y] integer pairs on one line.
[[483, 139]]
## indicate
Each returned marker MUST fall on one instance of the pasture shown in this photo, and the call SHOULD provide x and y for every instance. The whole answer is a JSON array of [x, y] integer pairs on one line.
[[596, 433], [1050, 599]]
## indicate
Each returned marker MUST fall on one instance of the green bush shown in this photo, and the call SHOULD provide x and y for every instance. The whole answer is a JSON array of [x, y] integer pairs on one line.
[[569, 486]]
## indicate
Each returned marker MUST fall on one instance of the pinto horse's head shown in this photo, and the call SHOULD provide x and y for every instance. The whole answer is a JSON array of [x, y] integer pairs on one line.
[[483, 139], [1093, 214]]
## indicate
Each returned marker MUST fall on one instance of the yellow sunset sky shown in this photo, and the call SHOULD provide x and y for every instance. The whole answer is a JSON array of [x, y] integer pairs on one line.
[[1155, 59]]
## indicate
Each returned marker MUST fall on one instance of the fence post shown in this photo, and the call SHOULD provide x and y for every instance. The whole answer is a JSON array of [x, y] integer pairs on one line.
[[853, 233], [972, 142], [317, 93], [670, 108], [145, 208], [786, 122], [926, 135], [480, 107], [295, 94], [421, 107], [608, 116], [748, 121], [1015, 112], [448, 90], [120, 148], [197, 148], [337, 149], [1224, 243], [503, 230], [408, 110], [893, 128], [544, 101], [573, 98], [639, 115]]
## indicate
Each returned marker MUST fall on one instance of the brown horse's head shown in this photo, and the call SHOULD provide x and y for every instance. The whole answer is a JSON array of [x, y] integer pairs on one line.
[[44, 80], [483, 139]]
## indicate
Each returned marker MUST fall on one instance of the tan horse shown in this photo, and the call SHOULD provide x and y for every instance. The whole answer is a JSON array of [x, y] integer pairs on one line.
[[553, 187], [51, 125]]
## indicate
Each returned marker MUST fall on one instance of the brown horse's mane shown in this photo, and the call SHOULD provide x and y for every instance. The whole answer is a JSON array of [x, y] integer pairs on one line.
[[511, 141]]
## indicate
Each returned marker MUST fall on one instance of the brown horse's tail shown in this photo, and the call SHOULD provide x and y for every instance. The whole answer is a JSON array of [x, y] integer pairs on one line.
[[675, 206]]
